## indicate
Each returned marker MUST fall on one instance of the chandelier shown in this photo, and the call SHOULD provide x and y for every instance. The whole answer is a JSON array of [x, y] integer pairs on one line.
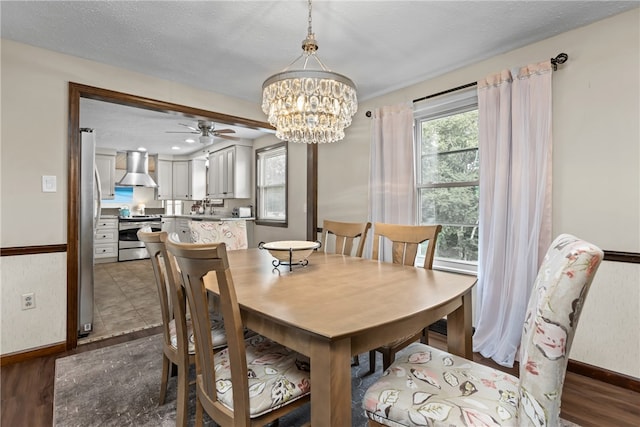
[[309, 105]]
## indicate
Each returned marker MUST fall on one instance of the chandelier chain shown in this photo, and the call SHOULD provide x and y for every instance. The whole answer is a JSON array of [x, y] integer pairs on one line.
[[309, 31]]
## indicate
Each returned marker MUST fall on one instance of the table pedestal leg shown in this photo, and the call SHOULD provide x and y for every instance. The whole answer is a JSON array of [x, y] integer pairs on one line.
[[459, 327]]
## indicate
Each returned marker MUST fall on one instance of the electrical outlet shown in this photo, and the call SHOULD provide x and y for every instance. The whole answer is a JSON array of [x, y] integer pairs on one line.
[[28, 301]]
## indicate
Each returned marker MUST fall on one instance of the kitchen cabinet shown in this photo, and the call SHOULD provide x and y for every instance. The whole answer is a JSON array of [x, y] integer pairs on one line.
[[189, 179], [164, 179], [230, 173], [183, 229], [105, 244], [106, 166]]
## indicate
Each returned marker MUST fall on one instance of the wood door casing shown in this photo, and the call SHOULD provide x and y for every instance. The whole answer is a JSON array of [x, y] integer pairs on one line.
[[77, 91]]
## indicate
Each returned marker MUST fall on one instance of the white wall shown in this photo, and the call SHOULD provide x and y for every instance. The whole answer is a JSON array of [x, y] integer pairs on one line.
[[46, 276], [596, 157]]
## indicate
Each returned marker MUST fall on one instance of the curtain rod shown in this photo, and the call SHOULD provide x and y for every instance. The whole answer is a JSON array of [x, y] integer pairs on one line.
[[561, 58]]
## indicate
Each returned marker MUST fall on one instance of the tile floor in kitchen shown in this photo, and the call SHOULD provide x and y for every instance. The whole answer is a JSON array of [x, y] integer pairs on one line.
[[125, 299]]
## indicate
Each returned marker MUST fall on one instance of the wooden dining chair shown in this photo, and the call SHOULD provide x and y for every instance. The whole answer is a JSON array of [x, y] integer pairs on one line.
[[345, 234], [405, 241], [178, 348], [254, 380], [427, 386]]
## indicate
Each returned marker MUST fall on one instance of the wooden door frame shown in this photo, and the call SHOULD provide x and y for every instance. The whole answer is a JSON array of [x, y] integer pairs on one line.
[[77, 91]]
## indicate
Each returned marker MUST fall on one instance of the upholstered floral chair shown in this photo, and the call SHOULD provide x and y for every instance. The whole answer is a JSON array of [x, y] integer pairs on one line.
[[429, 387]]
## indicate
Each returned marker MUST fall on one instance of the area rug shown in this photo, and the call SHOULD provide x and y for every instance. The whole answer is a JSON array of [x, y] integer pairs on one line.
[[119, 386]]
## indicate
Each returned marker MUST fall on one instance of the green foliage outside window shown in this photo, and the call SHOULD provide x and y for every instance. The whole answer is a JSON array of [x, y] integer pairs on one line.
[[448, 187]]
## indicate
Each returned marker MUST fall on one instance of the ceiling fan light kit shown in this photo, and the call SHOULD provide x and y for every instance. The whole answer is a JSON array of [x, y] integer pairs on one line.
[[207, 131], [309, 105]]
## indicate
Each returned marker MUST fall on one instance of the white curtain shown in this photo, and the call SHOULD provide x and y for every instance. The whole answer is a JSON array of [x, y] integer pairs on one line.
[[514, 111], [392, 176]]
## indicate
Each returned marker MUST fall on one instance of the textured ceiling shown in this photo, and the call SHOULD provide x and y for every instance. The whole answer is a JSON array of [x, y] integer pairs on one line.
[[231, 47]]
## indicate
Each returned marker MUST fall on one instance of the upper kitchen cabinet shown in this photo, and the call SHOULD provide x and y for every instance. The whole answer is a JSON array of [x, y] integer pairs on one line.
[[230, 173], [189, 179], [164, 175], [106, 166]]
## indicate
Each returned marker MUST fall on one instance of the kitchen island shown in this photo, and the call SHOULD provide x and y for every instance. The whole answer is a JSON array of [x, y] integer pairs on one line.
[[182, 225]]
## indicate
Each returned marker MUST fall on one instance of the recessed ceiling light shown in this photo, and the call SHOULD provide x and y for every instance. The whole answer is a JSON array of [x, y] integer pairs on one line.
[[142, 149], [189, 140], [175, 147]]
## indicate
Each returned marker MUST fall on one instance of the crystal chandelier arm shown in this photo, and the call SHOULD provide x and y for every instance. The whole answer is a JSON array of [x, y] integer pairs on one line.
[[292, 62], [306, 61], [320, 62]]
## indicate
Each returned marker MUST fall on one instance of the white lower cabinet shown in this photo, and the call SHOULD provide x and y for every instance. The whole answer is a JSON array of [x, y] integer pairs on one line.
[[105, 244]]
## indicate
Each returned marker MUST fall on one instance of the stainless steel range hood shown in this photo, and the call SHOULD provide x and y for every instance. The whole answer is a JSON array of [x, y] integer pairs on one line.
[[137, 171]]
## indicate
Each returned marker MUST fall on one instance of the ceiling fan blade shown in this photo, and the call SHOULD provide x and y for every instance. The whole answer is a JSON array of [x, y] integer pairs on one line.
[[179, 131], [232, 138], [224, 131], [194, 129]]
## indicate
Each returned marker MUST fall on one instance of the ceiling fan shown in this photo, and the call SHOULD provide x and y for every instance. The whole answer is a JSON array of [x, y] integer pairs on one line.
[[206, 129]]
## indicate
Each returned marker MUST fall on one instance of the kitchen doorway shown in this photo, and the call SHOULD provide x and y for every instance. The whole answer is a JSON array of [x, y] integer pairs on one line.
[[76, 92]]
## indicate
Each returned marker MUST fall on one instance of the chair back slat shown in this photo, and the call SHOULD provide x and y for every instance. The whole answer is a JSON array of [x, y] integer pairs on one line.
[[406, 240], [170, 292], [345, 234], [195, 262]]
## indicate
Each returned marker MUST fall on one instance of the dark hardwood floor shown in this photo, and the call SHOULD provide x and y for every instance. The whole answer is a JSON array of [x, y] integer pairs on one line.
[[27, 391]]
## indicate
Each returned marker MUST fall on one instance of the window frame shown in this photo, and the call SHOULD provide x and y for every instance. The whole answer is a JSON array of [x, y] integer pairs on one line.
[[258, 177], [432, 109]]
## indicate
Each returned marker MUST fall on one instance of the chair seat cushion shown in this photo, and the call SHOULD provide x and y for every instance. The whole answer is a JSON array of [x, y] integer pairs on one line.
[[277, 375], [429, 387], [218, 336]]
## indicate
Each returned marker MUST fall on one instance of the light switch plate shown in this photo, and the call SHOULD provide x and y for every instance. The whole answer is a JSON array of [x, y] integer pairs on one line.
[[48, 184]]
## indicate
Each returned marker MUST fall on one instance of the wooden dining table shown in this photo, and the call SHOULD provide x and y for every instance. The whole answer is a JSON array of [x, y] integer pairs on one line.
[[338, 306]]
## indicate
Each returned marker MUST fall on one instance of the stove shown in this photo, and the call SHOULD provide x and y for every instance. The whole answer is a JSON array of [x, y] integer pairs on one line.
[[129, 247], [143, 218]]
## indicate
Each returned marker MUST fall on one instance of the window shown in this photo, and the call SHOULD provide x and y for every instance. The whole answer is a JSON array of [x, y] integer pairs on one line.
[[124, 196], [271, 185], [448, 177]]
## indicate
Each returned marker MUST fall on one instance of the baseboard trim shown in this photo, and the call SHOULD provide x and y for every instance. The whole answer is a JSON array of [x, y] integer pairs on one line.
[[22, 356], [61, 348], [604, 375]]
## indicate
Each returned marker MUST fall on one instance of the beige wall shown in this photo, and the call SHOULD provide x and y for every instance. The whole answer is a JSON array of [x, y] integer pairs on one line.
[[596, 144], [34, 143], [596, 172]]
